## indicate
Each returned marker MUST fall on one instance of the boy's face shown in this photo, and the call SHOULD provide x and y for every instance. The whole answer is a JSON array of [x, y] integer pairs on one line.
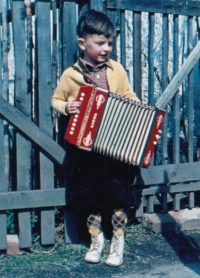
[[96, 48]]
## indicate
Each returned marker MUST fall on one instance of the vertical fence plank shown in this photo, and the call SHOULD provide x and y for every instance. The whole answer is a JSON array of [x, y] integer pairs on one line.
[[69, 17], [69, 57], [191, 200], [164, 202], [191, 107], [151, 59], [4, 161], [190, 94], [3, 244], [165, 49], [112, 14], [150, 203], [98, 5], [151, 63], [137, 54], [5, 84], [176, 107], [176, 201], [122, 39], [42, 12], [69, 46], [23, 103]]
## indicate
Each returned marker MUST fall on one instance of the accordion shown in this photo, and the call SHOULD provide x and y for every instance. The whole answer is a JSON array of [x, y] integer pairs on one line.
[[114, 126]]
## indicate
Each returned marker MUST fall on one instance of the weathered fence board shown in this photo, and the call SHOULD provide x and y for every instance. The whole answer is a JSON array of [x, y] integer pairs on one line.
[[176, 188], [170, 173], [32, 199], [29, 130], [2, 189], [69, 44], [2, 173], [44, 72], [23, 103], [182, 7], [3, 93], [137, 54], [179, 77]]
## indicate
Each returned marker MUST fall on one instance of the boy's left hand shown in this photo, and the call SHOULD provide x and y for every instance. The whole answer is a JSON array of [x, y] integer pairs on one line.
[[72, 107]]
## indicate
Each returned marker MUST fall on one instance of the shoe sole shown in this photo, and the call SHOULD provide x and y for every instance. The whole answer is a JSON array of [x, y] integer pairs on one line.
[[93, 262], [114, 264]]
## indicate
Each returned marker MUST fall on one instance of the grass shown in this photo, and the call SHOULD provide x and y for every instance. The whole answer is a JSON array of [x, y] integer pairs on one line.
[[39, 258], [142, 247], [61, 256]]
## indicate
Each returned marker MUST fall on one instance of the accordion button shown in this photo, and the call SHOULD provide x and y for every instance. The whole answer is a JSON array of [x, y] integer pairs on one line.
[[154, 142]]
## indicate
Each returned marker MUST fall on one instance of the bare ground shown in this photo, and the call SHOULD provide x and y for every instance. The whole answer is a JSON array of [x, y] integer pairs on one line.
[[145, 252]]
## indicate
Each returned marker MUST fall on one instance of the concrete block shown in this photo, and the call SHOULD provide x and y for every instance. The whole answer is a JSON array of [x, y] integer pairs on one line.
[[187, 219], [182, 220], [159, 222], [13, 245]]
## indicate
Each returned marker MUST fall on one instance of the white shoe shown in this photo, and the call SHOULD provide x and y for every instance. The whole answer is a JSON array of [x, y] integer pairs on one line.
[[94, 253], [115, 257]]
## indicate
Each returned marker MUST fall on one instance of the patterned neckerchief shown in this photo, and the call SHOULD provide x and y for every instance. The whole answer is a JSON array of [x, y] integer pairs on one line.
[[96, 74]]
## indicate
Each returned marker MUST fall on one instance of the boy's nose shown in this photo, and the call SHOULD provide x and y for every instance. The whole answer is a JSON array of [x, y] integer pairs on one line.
[[107, 47]]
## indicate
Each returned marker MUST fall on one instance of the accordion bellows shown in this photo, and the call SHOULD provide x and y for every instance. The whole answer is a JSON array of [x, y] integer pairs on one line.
[[114, 126]]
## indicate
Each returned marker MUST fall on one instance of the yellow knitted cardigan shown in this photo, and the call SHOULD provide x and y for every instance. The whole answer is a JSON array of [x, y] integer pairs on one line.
[[71, 80]]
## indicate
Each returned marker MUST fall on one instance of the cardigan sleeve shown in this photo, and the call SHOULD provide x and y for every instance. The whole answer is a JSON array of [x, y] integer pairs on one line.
[[60, 96], [119, 83], [67, 89]]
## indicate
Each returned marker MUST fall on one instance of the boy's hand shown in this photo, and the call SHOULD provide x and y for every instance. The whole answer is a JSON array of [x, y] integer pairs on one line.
[[72, 107], [157, 135]]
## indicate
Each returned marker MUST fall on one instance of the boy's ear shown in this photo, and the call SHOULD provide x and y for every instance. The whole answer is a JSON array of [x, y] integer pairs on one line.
[[81, 43]]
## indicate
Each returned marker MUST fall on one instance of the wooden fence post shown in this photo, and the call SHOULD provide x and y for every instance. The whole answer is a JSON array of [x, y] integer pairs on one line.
[[4, 184], [23, 103], [69, 57], [44, 93]]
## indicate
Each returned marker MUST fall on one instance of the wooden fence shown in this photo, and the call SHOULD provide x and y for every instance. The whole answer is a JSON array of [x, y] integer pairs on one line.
[[38, 41]]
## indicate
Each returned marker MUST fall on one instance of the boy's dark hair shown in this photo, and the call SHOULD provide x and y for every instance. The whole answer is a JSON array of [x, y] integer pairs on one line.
[[95, 22]]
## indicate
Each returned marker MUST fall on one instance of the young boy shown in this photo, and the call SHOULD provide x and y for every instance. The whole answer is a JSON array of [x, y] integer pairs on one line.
[[91, 173]]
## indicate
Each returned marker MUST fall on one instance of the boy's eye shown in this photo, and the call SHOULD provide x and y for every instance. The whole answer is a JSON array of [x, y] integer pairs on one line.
[[100, 43]]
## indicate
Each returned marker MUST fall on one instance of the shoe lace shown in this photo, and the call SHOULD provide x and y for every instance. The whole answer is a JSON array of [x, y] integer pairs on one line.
[[116, 246], [95, 243]]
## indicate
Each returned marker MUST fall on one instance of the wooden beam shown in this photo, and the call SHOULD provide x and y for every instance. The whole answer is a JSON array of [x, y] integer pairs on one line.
[[32, 199], [177, 188], [35, 134], [177, 80], [171, 173], [182, 7]]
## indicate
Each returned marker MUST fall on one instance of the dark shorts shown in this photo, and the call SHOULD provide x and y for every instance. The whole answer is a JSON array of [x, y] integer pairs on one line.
[[94, 181]]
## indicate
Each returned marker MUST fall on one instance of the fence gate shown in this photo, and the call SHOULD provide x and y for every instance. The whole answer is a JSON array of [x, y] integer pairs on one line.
[[37, 42]]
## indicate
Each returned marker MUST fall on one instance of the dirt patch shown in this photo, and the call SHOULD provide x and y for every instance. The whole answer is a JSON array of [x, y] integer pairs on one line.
[[144, 251]]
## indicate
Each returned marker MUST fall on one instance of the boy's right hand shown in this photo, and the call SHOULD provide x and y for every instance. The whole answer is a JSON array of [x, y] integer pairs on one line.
[[72, 107]]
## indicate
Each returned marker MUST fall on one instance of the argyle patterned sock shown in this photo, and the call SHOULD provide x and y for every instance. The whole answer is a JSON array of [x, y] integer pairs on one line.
[[94, 224], [119, 220]]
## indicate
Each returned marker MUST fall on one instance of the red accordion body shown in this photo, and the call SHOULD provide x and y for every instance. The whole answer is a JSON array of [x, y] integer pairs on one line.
[[115, 126]]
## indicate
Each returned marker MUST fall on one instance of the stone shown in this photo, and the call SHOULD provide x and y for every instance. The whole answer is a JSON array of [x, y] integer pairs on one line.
[[13, 245], [159, 222], [182, 220], [187, 219]]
